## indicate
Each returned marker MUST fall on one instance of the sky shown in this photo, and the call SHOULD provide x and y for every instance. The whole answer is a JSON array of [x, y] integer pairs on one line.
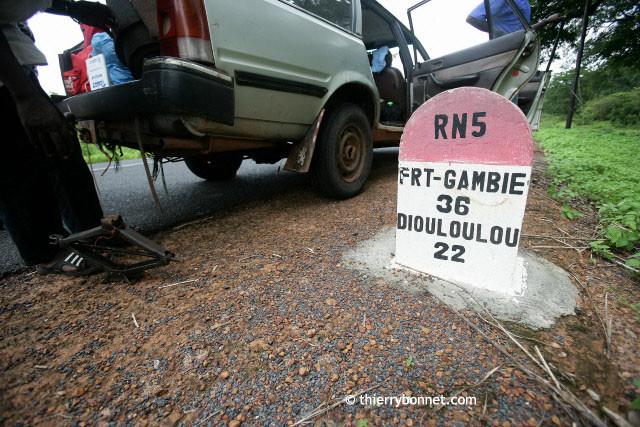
[[440, 26]]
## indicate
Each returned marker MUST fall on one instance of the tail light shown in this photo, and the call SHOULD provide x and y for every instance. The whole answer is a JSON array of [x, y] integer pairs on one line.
[[184, 30]]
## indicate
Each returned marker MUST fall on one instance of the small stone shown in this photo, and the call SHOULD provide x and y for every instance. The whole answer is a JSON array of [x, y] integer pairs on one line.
[[303, 372], [259, 345], [335, 377], [224, 375], [290, 362], [556, 420], [174, 418], [288, 380], [311, 333], [234, 423]]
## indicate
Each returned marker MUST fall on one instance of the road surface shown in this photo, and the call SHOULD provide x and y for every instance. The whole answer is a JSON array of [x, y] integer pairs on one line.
[[187, 198]]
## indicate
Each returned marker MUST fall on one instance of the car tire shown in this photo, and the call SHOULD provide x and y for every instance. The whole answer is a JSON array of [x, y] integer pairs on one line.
[[343, 154], [215, 167]]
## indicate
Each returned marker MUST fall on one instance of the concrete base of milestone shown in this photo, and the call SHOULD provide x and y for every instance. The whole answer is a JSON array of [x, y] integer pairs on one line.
[[548, 293]]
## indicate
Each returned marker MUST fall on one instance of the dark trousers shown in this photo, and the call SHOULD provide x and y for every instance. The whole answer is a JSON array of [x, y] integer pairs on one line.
[[37, 193]]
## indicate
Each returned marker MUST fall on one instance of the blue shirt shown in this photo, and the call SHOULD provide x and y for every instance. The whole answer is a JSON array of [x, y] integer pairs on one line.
[[503, 17]]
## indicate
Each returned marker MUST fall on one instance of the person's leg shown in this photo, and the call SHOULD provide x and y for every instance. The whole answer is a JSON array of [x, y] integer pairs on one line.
[[74, 188], [27, 205], [76, 193]]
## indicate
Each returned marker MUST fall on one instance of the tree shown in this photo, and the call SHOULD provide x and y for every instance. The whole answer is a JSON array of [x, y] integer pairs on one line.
[[595, 83], [614, 26]]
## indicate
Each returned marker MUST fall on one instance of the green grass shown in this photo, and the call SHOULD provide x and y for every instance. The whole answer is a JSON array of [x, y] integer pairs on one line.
[[94, 155], [599, 162]]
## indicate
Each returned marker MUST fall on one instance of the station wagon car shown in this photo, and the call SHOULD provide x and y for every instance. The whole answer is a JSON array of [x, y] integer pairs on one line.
[[218, 81]]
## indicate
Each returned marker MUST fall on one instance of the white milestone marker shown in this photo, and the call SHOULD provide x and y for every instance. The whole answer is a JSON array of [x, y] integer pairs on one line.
[[463, 180]]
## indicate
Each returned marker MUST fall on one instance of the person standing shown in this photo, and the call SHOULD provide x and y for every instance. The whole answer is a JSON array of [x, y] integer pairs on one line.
[[43, 177], [503, 18]]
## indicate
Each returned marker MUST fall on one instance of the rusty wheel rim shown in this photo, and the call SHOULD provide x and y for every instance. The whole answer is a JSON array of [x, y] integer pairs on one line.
[[351, 153]]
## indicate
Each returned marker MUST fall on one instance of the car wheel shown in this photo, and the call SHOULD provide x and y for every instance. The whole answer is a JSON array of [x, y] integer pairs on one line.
[[342, 160], [215, 167]]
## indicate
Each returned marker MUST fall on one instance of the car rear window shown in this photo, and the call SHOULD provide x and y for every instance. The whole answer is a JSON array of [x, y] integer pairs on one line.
[[335, 11]]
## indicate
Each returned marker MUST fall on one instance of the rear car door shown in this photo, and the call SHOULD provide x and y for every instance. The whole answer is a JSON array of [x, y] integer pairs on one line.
[[284, 55]]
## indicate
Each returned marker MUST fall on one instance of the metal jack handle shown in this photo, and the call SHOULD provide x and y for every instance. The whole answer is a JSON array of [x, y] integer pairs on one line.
[[114, 227]]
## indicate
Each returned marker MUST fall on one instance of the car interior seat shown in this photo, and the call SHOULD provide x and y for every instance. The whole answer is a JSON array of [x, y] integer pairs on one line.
[[392, 88]]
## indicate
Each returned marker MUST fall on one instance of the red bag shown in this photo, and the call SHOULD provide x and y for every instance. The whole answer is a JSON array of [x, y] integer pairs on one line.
[[76, 80], [79, 64], [72, 81]]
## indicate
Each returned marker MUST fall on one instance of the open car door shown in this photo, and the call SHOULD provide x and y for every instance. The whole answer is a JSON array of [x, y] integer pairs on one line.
[[503, 64], [531, 96]]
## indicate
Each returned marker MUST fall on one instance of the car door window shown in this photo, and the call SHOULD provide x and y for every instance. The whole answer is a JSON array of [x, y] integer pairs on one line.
[[338, 12], [442, 28], [461, 52]]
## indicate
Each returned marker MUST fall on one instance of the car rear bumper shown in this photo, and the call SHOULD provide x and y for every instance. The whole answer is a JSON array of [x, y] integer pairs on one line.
[[167, 86]]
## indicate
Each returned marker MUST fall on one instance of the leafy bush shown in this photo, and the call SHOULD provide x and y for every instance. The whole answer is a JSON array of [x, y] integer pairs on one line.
[[622, 108], [595, 83]]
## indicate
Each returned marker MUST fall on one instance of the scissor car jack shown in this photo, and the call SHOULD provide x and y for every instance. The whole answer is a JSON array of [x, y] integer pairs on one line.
[[93, 245]]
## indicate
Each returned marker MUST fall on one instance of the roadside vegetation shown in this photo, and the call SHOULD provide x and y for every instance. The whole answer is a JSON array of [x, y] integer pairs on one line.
[[599, 162], [93, 154], [598, 158]]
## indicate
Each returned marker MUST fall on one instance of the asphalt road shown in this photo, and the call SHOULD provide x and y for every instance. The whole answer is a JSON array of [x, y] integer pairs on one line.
[[187, 198]]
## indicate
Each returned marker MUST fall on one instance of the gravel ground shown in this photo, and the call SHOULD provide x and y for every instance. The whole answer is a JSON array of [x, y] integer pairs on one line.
[[269, 324]]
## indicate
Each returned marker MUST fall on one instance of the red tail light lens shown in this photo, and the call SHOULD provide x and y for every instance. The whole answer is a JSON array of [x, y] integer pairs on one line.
[[184, 30]]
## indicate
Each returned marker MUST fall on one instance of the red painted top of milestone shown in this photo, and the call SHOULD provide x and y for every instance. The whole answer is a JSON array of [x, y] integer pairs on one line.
[[506, 139]]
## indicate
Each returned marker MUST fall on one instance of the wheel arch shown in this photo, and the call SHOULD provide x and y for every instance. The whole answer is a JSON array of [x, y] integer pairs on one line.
[[358, 94]]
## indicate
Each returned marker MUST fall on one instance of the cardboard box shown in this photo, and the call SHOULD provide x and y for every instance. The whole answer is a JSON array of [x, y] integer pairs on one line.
[[97, 72]]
